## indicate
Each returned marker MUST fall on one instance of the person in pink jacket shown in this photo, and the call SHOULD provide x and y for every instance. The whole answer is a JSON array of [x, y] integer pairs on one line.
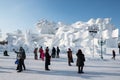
[[42, 55]]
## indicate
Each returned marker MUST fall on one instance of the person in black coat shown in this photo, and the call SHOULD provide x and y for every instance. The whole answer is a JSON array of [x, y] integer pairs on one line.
[[23, 57], [47, 59], [53, 52], [113, 54], [80, 61], [58, 51], [35, 54], [5, 53]]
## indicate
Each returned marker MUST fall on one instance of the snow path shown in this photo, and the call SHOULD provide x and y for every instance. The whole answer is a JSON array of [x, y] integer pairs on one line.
[[95, 69]]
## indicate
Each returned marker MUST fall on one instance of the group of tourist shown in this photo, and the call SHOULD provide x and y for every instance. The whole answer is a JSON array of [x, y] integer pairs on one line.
[[41, 51], [80, 59], [21, 56], [46, 55], [55, 53]]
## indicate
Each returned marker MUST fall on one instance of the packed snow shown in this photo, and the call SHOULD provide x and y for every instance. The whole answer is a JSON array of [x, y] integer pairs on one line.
[[94, 69]]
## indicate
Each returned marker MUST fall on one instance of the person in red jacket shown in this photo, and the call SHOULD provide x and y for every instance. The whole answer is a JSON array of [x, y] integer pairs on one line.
[[42, 54]]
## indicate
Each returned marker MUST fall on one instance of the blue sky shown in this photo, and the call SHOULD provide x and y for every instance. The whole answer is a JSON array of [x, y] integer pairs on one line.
[[24, 14]]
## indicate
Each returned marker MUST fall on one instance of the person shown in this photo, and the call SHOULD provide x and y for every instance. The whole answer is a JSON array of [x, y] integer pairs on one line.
[[58, 51], [18, 61], [70, 57], [53, 52], [41, 51], [21, 56], [47, 59], [35, 54], [80, 61], [113, 54], [5, 53]]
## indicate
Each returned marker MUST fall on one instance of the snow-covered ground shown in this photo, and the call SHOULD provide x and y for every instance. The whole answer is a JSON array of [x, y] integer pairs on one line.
[[95, 69]]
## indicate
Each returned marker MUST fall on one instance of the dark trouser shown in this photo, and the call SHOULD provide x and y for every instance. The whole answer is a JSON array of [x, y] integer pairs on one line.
[[19, 66], [80, 69], [69, 62], [57, 55], [21, 63], [46, 66], [35, 56]]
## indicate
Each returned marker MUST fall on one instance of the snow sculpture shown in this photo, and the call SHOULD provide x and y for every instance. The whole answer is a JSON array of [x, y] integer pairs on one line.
[[59, 34]]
